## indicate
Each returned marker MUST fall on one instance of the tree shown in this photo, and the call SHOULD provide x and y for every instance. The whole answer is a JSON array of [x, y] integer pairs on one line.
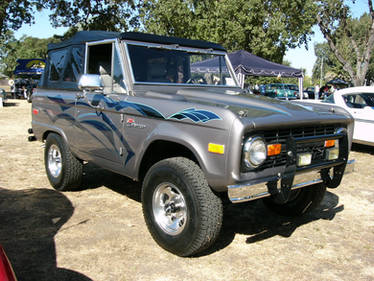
[[344, 34], [265, 28], [15, 13], [111, 15], [331, 66]]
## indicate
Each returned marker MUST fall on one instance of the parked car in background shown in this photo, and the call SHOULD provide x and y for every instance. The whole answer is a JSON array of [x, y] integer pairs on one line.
[[310, 91], [280, 91], [358, 101]]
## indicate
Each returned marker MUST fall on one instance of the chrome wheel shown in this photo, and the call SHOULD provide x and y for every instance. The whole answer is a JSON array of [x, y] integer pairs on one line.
[[54, 161], [169, 208]]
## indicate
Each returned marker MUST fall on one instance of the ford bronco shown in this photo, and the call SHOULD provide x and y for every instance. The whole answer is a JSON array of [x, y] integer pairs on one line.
[[138, 105]]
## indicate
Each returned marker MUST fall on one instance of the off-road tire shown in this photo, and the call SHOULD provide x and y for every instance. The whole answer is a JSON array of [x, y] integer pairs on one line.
[[305, 200], [204, 209], [70, 175]]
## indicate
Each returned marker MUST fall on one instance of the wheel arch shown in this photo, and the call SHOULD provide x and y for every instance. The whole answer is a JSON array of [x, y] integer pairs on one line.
[[159, 150], [54, 131]]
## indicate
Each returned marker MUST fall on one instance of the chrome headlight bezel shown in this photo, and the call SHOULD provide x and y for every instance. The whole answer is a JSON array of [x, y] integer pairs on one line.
[[254, 152]]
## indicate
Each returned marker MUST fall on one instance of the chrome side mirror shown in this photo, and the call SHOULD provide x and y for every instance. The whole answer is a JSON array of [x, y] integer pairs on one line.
[[90, 82]]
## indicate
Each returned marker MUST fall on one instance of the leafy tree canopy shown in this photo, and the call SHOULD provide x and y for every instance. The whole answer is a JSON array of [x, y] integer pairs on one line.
[[265, 28], [332, 66], [14, 13], [111, 15], [350, 40]]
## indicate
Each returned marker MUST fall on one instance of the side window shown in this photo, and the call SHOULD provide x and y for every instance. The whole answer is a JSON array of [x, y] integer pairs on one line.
[[329, 99], [118, 84], [100, 59], [57, 61], [104, 61], [355, 101], [75, 67]]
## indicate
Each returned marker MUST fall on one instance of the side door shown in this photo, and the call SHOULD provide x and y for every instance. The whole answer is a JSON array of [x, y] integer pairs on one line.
[[99, 119], [363, 116]]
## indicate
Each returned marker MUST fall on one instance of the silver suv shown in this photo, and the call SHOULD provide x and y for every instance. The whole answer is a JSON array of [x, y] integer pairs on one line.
[[168, 112]]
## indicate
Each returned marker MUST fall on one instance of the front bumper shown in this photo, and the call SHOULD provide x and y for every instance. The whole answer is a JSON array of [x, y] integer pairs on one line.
[[254, 190]]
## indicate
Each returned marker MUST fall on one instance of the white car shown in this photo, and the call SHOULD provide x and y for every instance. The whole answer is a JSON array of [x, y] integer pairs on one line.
[[359, 102]]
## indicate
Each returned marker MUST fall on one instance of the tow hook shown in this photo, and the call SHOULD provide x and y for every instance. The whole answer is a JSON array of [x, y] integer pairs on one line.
[[32, 137]]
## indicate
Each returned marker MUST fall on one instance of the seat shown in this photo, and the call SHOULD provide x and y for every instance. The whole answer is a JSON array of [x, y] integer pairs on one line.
[[106, 79]]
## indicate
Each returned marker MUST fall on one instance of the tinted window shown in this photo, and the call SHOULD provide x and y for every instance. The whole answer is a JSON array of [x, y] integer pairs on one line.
[[369, 98], [75, 67], [57, 60], [359, 100]]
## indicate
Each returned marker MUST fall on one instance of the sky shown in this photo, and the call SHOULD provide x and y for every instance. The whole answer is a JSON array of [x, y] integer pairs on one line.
[[298, 57]]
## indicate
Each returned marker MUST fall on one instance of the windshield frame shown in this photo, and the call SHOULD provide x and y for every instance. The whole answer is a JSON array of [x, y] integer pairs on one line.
[[177, 47]]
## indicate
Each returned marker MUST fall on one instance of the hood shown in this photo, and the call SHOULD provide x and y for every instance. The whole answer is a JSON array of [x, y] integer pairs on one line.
[[265, 112]]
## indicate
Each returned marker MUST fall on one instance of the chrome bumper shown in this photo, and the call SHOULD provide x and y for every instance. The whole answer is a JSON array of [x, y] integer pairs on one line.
[[251, 191]]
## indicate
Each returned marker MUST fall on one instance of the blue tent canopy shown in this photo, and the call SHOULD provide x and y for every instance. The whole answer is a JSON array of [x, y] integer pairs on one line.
[[29, 67], [246, 63]]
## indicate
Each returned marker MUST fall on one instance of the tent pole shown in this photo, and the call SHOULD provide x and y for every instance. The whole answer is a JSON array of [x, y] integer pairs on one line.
[[301, 86]]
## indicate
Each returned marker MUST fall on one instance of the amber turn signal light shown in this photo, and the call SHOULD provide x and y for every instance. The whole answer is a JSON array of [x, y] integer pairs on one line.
[[274, 149], [216, 148], [329, 143]]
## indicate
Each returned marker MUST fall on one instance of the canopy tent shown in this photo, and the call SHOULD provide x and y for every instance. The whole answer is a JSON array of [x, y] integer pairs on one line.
[[29, 67], [245, 63], [337, 81]]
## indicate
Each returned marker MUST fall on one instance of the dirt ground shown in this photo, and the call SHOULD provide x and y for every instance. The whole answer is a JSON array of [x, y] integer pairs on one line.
[[99, 233]]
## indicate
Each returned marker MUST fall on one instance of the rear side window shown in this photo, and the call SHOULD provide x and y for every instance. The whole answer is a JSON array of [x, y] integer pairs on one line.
[[65, 67], [57, 60], [359, 100], [75, 67]]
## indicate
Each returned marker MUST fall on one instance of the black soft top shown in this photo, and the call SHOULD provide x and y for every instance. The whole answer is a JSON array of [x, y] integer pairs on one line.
[[88, 36]]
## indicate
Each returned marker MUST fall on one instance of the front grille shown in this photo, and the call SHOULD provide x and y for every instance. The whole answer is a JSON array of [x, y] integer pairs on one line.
[[316, 147]]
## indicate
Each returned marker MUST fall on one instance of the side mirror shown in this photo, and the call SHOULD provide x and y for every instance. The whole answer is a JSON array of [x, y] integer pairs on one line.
[[90, 82]]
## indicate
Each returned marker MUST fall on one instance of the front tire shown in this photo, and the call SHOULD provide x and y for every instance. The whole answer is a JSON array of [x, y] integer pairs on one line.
[[182, 213], [301, 201], [64, 171]]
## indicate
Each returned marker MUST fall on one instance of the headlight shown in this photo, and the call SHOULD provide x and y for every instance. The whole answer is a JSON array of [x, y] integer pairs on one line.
[[254, 152]]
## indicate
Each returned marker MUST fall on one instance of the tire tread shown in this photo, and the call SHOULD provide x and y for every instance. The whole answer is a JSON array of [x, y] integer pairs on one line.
[[72, 169], [210, 206]]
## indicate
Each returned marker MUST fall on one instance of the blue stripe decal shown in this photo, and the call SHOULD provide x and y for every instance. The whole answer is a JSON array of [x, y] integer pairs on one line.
[[196, 115], [107, 127]]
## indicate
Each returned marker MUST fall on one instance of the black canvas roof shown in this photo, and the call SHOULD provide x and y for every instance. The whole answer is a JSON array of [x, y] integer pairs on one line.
[[84, 36], [137, 36], [88, 36]]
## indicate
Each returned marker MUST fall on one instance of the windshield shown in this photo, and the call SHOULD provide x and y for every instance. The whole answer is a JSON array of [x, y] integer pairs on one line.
[[157, 65]]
